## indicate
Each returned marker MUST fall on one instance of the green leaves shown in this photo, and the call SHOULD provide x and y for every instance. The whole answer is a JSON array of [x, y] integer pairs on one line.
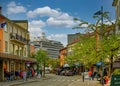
[[89, 50], [40, 56]]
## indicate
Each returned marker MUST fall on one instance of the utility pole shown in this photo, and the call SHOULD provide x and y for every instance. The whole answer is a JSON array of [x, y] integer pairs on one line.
[[100, 13], [101, 37]]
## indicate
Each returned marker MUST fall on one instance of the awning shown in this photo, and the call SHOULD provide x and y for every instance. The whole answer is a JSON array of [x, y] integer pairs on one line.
[[65, 65], [99, 63]]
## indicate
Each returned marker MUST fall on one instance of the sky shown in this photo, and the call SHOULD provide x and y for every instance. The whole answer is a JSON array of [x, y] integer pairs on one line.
[[54, 17]]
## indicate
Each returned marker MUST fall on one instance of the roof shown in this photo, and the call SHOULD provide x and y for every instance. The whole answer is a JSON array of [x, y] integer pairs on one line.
[[19, 21], [63, 49], [3, 17]]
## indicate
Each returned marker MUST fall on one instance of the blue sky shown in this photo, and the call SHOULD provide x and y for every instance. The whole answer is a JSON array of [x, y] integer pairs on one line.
[[54, 17]]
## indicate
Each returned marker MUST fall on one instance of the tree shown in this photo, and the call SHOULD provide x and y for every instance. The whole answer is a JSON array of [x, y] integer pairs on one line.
[[110, 48], [86, 51], [32, 55], [107, 46], [41, 56]]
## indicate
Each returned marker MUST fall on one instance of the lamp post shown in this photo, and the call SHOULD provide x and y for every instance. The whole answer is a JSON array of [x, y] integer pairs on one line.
[[100, 12], [83, 77]]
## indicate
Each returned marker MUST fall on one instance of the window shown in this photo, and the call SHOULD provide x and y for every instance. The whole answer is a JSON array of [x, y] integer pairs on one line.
[[5, 28], [11, 29], [24, 51], [6, 46]]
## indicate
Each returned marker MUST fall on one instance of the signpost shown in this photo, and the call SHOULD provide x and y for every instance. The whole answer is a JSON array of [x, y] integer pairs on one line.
[[115, 80]]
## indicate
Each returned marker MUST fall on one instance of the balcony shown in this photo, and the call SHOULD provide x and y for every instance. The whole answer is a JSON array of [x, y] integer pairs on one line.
[[18, 38], [15, 57]]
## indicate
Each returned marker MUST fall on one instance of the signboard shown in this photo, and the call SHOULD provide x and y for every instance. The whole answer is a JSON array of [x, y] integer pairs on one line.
[[115, 80]]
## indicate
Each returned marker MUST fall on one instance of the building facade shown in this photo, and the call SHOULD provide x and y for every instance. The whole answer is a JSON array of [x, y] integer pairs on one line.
[[52, 47], [63, 54], [73, 38], [14, 45], [116, 4]]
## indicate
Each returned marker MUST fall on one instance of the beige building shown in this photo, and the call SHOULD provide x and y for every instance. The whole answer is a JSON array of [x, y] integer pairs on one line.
[[116, 4], [14, 45]]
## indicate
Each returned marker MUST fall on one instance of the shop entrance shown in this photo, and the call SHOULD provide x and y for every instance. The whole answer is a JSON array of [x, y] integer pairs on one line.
[[1, 70]]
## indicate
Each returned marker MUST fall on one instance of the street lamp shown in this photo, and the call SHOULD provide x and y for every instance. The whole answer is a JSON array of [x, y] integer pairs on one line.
[[100, 12], [83, 77]]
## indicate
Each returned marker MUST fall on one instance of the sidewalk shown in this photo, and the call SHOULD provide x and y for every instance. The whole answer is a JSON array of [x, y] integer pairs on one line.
[[21, 81], [30, 80], [85, 83]]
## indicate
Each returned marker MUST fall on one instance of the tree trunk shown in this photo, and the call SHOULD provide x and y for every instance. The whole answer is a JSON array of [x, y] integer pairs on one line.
[[111, 64]]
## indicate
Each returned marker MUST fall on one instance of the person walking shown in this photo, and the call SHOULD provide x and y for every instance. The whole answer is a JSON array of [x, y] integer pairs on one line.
[[11, 75], [16, 75], [103, 76], [90, 74], [24, 75]]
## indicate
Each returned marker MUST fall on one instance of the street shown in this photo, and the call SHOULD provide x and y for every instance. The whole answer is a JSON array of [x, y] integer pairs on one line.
[[56, 80]]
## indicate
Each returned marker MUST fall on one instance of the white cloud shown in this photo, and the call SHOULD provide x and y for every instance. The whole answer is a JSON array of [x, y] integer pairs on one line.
[[12, 8], [59, 37], [67, 23], [35, 28], [55, 17], [45, 11]]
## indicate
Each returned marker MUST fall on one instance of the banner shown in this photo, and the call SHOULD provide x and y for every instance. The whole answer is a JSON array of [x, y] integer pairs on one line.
[[2, 25], [2, 22]]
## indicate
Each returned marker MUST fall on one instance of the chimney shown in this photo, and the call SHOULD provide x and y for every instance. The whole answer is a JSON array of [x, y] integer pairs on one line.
[[0, 10]]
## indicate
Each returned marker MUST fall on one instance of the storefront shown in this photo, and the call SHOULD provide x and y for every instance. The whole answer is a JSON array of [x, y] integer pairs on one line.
[[12, 63]]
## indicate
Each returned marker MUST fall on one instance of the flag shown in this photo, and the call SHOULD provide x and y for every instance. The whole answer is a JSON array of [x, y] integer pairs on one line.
[[2, 25], [98, 12]]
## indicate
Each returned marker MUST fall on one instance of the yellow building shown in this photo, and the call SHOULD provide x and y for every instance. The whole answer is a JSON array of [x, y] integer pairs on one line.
[[63, 54], [14, 45]]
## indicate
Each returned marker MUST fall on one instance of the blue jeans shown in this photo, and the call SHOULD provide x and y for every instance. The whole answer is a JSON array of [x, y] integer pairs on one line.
[[12, 77]]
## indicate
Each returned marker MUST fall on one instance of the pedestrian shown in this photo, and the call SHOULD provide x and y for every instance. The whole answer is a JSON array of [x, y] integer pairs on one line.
[[11, 75], [90, 74], [104, 76], [33, 72], [41, 72], [7, 75], [21, 74], [16, 75], [29, 73], [24, 75]]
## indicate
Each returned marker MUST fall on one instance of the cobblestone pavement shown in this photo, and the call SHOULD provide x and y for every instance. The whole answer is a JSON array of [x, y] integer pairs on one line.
[[85, 83], [53, 80]]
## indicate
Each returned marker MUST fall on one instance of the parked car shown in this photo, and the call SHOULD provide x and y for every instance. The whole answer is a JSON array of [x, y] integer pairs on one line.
[[69, 73], [47, 71], [62, 72]]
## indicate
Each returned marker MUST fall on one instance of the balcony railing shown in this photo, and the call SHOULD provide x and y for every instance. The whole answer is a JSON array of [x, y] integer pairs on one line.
[[15, 57], [14, 36]]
